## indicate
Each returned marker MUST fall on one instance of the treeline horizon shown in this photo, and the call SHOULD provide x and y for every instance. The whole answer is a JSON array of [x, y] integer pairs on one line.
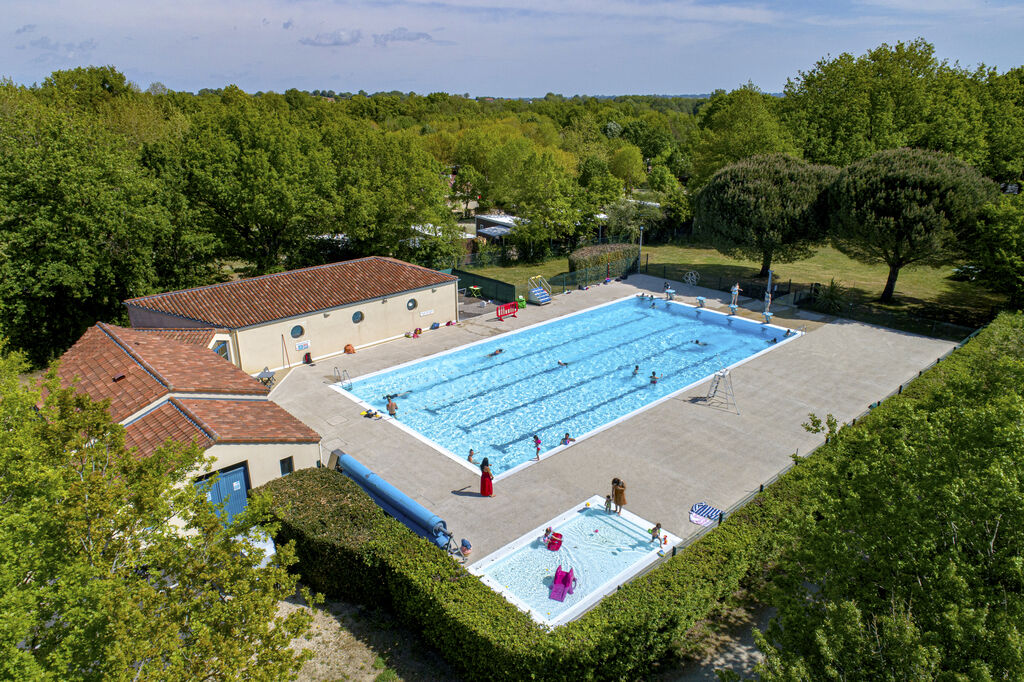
[[108, 192]]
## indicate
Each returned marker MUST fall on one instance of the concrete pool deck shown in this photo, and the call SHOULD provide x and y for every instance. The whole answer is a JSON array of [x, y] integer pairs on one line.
[[670, 456]]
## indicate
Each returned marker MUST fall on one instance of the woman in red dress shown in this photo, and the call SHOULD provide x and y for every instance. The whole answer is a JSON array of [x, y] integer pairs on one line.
[[486, 487]]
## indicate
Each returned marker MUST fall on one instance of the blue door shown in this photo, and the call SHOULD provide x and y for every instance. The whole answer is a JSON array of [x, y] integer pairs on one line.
[[230, 488]]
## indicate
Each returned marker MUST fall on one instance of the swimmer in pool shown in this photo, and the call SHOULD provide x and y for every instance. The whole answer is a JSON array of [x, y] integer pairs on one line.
[[699, 342], [636, 369], [497, 352], [655, 377], [563, 364]]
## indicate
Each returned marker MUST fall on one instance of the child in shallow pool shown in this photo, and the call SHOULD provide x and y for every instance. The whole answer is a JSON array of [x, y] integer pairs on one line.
[[608, 504], [656, 533]]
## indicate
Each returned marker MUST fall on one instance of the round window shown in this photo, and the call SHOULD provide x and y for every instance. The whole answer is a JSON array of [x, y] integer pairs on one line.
[[357, 316], [297, 331], [411, 304]]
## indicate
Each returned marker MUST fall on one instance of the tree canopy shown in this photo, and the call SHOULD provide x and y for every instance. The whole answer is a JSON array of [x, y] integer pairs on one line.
[[996, 248], [767, 208], [116, 567], [906, 206]]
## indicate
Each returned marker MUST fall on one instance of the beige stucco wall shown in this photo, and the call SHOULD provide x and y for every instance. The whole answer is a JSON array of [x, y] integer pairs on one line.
[[271, 345], [263, 459]]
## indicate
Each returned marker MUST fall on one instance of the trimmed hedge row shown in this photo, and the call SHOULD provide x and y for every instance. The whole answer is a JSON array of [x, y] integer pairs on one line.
[[600, 254], [347, 547]]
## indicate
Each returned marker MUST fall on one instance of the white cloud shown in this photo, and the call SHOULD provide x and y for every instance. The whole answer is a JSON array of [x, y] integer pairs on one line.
[[27, 28], [338, 38], [402, 34], [55, 50]]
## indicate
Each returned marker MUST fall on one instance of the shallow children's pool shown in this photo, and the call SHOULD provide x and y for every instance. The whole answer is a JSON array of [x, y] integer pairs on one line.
[[603, 550]]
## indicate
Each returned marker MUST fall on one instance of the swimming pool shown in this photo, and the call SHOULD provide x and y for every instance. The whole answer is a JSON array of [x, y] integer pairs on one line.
[[471, 397], [603, 550]]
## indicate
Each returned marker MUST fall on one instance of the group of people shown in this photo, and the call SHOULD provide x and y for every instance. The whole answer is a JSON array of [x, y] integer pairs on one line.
[[617, 498], [487, 478], [654, 375]]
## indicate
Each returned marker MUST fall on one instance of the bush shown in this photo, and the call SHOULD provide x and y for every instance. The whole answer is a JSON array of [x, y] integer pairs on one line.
[[829, 299], [601, 254]]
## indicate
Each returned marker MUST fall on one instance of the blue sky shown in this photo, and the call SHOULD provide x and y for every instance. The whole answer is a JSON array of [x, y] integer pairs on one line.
[[487, 47]]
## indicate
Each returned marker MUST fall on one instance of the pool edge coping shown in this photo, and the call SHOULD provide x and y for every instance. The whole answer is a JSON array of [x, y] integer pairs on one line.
[[599, 593], [475, 467]]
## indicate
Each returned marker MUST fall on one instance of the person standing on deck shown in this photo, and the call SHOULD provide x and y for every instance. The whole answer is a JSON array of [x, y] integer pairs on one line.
[[486, 479]]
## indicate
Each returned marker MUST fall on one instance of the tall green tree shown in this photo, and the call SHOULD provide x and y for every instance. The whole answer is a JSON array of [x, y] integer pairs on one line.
[[734, 126], [598, 182], [768, 208], [114, 566], [627, 164], [382, 185], [996, 248], [906, 206], [1002, 99], [846, 108], [260, 180], [80, 225], [87, 87]]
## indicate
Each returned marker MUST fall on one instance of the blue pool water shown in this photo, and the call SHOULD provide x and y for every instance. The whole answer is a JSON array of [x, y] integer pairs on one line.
[[598, 547], [495, 404]]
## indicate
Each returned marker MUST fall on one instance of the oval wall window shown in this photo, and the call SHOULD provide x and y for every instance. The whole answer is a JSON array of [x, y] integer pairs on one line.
[[297, 331], [411, 304], [357, 316]]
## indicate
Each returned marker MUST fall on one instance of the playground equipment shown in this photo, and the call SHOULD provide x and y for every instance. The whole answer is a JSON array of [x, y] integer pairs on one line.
[[506, 310], [555, 542], [394, 502], [540, 290], [563, 584], [691, 277]]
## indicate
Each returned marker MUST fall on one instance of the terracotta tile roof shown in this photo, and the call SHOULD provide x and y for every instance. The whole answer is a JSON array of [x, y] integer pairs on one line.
[[247, 421], [96, 360], [184, 367], [133, 369], [197, 337], [256, 300], [154, 428]]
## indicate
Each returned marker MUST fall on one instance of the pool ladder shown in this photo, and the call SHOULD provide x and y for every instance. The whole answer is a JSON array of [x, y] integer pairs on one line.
[[341, 377]]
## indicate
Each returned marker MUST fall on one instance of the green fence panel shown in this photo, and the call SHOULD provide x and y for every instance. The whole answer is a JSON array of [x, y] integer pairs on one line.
[[492, 289]]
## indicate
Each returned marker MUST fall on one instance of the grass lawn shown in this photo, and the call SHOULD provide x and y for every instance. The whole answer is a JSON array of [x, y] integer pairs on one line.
[[926, 291]]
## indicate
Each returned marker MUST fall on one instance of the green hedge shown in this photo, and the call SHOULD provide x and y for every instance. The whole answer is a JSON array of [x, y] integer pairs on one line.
[[600, 254], [348, 548]]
